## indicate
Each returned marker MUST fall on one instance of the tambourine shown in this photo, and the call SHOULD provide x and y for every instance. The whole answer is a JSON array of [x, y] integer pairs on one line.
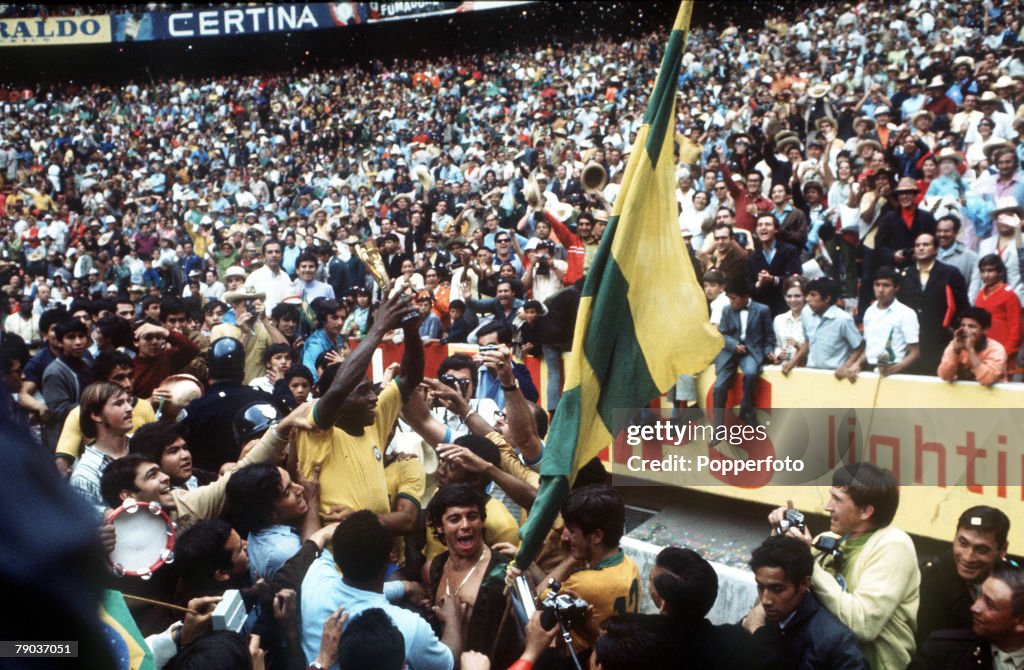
[[145, 539]]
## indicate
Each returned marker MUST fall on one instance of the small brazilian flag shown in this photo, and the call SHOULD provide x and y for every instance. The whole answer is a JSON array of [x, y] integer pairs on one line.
[[643, 319]]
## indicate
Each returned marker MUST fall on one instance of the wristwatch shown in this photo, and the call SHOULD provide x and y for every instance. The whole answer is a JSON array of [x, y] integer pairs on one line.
[[513, 387]]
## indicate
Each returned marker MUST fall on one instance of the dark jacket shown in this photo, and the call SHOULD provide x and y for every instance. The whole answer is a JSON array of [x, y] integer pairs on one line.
[[953, 650], [760, 335], [945, 599], [894, 235], [209, 420], [814, 638], [785, 262], [938, 305]]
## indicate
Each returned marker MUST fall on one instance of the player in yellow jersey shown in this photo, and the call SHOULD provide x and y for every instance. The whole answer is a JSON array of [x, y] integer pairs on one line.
[[596, 569]]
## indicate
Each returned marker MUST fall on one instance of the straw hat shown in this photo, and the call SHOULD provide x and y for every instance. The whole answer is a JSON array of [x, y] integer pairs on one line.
[[1009, 204], [819, 90], [907, 185], [949, 153], [248, 293]]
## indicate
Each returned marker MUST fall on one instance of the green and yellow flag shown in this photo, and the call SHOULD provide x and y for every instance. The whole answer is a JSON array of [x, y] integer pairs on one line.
[[643, 319]]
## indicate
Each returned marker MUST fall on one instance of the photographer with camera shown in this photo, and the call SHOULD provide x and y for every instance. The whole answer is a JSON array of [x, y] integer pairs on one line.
[[544, 274], [865, 570]]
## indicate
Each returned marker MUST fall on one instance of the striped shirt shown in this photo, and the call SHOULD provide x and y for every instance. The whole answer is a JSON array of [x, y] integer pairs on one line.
[[85, 478]]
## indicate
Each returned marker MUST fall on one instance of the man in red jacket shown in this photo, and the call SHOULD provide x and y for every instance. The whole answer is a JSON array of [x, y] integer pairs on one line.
[[161, 353]]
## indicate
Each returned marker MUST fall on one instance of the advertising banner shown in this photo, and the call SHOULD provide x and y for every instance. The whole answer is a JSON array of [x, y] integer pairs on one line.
[[283, 18], [31, 32]]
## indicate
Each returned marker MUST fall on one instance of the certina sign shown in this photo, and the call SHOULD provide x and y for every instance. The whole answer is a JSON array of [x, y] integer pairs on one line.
[[241, 21]]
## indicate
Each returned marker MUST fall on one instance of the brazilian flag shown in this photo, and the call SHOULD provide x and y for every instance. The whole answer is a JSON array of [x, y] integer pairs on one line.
[[643, 319]]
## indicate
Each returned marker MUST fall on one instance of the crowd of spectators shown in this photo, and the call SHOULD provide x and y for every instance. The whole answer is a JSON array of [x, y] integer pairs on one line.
[[849, 186]]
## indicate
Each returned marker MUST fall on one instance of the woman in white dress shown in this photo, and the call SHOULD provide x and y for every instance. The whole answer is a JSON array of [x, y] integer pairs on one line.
[[789, 329]]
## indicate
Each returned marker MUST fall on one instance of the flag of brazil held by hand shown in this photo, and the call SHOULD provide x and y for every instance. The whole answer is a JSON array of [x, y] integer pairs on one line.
[[643, 318]]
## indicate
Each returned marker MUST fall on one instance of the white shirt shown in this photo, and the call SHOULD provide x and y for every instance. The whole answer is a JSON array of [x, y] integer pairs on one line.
[[276, 286], [896, 321]]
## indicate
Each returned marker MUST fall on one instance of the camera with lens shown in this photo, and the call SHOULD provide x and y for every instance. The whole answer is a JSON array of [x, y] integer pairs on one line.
[[250, 307], [543, 262], [794, 518], [561, 608], [829, 546], [452, 382]]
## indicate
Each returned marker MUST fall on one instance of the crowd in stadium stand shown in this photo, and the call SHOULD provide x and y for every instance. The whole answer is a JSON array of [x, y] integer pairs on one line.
[[850, 192]]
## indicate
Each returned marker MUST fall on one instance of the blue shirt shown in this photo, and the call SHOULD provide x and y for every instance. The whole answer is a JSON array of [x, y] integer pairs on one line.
[[832, 337], [271, 548], [324, 591], [318, 343]]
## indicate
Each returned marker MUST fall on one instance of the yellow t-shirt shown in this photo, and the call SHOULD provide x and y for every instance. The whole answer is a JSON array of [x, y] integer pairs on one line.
[[499, 526], [612, 586], [405, 479], [71, 439], [351, 466]]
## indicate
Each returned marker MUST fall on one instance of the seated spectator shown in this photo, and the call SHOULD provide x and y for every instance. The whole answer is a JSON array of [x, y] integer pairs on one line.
[[430, 324], [789, 619], [464, 322], [890, 328], [746, 327], [726, 255], [972, 355], [951, 583]]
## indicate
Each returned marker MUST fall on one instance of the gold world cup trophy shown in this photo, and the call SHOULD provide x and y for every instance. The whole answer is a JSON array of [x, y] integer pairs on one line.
[[369, 254]]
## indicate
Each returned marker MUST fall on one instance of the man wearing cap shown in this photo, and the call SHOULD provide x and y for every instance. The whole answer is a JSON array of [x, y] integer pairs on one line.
[[938, 103], [898, 228], [251, 326], [951, 584]]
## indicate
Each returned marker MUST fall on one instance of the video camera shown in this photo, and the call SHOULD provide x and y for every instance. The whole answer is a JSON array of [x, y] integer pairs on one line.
[[793, 519]]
